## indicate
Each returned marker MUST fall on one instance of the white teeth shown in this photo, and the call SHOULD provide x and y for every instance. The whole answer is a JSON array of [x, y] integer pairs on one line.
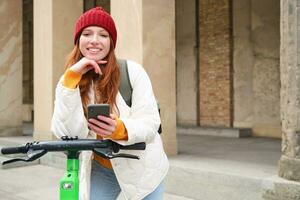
[[94, 50]]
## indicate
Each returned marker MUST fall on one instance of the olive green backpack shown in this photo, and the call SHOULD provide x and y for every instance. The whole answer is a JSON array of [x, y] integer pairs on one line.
[[125, 87]]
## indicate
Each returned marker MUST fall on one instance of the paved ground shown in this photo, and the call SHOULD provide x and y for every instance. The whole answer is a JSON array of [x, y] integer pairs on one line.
[[30, 182], [37, 182]]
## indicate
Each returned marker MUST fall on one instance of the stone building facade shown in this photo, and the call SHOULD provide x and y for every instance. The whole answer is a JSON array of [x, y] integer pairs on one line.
[[213, 63]]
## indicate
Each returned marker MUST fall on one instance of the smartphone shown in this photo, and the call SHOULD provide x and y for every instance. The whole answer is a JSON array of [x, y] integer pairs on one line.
[[98, 109]]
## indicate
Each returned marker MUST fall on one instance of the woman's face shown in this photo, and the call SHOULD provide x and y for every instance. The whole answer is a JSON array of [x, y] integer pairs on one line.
[[94, 43]]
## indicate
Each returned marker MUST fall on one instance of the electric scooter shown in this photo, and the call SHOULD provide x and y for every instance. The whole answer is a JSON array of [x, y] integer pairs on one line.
[[69, 184]]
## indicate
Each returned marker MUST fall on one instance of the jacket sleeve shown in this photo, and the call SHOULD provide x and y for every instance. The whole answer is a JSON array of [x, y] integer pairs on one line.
[[144, 120], [68, 117]]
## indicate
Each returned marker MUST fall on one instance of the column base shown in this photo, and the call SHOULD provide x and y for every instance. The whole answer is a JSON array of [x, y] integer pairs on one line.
[[11, 131], [289, 168]]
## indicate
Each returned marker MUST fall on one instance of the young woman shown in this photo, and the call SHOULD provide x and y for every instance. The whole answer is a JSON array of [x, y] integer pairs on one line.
[[92, 76]]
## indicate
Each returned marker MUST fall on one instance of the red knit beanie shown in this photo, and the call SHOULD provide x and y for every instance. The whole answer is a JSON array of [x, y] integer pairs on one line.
[[96, 17]]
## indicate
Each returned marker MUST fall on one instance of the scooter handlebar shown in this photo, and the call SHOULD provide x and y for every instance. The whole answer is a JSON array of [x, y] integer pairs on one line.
[[105, 148], [68, 145]]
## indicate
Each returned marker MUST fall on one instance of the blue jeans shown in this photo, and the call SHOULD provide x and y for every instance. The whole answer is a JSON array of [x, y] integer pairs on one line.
[[105, 186]]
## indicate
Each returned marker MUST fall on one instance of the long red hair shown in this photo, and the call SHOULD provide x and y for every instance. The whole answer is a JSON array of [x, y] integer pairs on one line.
[[106, 86]]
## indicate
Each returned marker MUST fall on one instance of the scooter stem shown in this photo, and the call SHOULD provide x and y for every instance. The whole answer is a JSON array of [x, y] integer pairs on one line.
[[69, 184]]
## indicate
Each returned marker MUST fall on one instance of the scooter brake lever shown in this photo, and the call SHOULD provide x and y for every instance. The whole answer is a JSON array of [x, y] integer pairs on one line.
[[31, 156], [124, 155], [107, 153], [14, 160], [103, 152]]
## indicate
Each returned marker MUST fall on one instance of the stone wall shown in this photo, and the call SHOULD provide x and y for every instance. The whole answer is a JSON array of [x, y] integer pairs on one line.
[[265, 39], [246, 95], [256, 66]]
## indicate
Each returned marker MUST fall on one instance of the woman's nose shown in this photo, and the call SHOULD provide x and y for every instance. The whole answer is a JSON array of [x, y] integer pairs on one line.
[[95, 39]]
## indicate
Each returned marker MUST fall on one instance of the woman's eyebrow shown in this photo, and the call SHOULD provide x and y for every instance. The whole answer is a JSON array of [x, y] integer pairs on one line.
[[103, 31], [99, 31]]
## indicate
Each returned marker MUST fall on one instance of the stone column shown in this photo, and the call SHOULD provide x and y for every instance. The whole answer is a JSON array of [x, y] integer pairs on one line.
[[54, 22], [289, 164], [11, 67], [146, 34], [242, 64], [186, 63]]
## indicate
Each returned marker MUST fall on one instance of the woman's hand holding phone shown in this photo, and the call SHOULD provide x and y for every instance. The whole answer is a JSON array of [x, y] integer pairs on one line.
[[100, 120], [103, 126]]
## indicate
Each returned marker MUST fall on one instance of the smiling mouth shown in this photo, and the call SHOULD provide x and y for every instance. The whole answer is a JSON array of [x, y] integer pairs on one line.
[[94, 50]]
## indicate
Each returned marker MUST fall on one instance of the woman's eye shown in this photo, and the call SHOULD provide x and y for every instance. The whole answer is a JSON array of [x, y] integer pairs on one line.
[[85, 34], [104, 35]]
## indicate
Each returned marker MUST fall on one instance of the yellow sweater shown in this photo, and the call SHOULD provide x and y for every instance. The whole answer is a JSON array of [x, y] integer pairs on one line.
[[71, 80]]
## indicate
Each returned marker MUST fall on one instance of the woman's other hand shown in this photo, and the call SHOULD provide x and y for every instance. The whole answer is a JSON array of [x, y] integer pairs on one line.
[[84, 65]]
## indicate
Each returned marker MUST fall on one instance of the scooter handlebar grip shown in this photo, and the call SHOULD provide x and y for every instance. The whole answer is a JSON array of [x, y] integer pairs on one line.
[[13, 150]]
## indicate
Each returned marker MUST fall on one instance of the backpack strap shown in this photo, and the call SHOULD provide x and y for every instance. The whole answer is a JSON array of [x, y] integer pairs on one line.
[[125, 87]]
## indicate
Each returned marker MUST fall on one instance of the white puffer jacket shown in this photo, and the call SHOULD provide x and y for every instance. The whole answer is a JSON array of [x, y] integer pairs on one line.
[[137, 178]]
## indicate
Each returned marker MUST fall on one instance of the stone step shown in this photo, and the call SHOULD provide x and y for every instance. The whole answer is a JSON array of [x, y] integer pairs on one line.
[[221, 168], [226, 180], [207, 131]]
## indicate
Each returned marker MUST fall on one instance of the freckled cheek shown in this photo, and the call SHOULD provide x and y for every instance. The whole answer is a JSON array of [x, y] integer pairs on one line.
[[107, 47], [106, 42], [82, 41], [82, 47], [83, 51]]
